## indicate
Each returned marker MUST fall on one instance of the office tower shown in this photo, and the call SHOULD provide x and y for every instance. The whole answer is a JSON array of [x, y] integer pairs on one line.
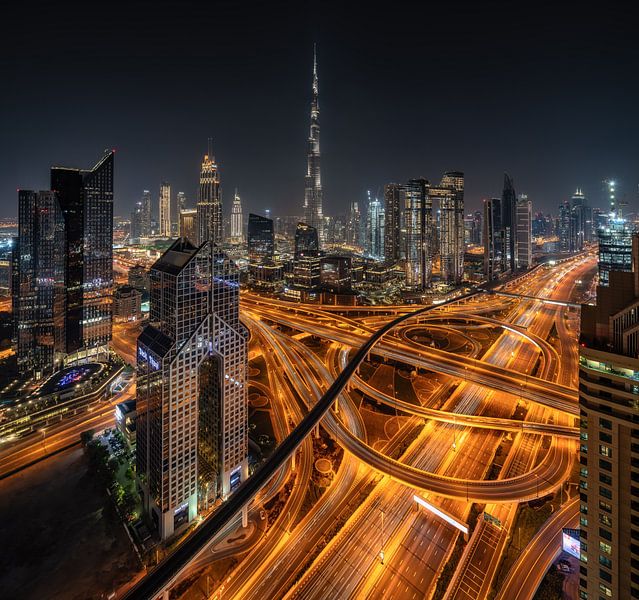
[[86, 200], [418, 249], [146, 214], [375, 228], [564, 226], [306, 260], [261, 245], [450, 195], [313, 213], [615, 240], [188, 224], [237, 220], [609, 452], [164, 210], [540, 225], [39, 297], [392, 221], [508, 224], [353, 225], [578, 221], [492, 238], [523, 248], [137, 221], [209, 202], [181, 202], [191, 362]]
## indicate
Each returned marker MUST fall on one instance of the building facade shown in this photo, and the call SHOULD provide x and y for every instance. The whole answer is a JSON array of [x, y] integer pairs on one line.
[[237, 220], [192, 438], [523, 248], [188, 224], [393, 222], [609, 448], [375, 228], [492, 238], [313, 197], [164, 210], [417, 229], [450, 195]]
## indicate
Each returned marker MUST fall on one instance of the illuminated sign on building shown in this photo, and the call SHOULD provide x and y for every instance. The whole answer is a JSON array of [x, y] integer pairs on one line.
[[570, 542]]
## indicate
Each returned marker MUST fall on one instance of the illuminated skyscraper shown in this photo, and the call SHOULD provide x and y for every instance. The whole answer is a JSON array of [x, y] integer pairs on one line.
[[417, 210], [450, 194], [508, 224], [375, 228], [615, 239], [354, 224], [306, 261], [146, 216], [40, 298], [492, 238], [188, 224], [523, 249], [237, 220], [86, 200], [164, 212], [609, 446], [392, 222], [209, 203], [191, 362], [313, 212]]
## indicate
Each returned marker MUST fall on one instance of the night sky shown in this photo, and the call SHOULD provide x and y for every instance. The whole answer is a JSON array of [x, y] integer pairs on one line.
[[547, 93]]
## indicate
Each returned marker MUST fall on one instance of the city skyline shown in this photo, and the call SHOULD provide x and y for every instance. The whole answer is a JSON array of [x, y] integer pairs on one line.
[[382, 136]]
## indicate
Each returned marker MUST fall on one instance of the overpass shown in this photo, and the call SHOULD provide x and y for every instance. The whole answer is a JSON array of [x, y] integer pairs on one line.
[[526, 297]]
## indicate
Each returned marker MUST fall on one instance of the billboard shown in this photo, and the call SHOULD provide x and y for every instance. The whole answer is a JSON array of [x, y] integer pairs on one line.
[[570, 542]]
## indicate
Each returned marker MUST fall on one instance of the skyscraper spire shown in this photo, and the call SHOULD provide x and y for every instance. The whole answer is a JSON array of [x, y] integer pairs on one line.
[[313, 213]]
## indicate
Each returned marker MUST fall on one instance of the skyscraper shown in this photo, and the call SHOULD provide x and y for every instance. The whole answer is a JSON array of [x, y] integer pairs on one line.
[[209, 203], [392, 222], [188, 224], [492, 238], [313, 212], [508, 224], [237, 220], [354, 225], [306, 260], [375, 228], [137, 216], [181, 202], [40, 298], [192, 370], [523, 249], [86, 200], [615, 239], [261, 243], [450, 194], [146, 214], [164, 209], [418, 250], [609, 452]]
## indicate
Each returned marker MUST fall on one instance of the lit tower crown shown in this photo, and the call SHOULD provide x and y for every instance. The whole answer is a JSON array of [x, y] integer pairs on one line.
[[313, 213]]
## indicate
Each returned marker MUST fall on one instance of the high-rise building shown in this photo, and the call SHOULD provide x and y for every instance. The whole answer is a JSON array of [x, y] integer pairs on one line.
[[40, 298], [417, 211], [180, 202], [508, 224], [137, 217], [192, 370], [353, 226], [86, 200], [393, 222], [237, 220], [261, 251], [523, 248], [306, 260], [450, 194], [313, 211], [609, 448], [492, 238], [188, 224], [375, 228], [145, 229], [336, 274], [209, 202], [615, 240], [164, 210]]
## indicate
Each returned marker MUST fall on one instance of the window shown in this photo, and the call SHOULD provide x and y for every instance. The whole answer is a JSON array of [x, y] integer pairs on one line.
[[605, 492], [605, 590], [605, 561], [605, 424], [605, 451], [605, 506], [605, 534], [607, 548], [603, 478], [605, 437], [605, 519]]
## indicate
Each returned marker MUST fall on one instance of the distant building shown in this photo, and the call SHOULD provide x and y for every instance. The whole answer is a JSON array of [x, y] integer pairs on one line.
[[126, 420], [164, 210], [39, 300], [609, 451], [354, 225], [417, 213], [508, 225], [192, 367], [523, 248], [306, 261], [335, 274], [138, 277], [492, 238], [209, 203], [188, 224], [393, 222], [375, 228], [450, 196], [237, 220], [127, 304], [261, 252]]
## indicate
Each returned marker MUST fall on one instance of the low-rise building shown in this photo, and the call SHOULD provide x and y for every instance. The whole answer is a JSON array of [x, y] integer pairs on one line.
[[127, 304]]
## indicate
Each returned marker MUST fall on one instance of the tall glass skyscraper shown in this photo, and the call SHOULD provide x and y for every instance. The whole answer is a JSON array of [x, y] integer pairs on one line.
[[417, 212], [392, 222], [450, 194], [237, 220], [86, 201], [40, 298], [192, 438], [375, 228], [164, 209]]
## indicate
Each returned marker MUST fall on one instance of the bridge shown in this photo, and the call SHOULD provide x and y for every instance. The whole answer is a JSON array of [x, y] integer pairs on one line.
[[527, 297]]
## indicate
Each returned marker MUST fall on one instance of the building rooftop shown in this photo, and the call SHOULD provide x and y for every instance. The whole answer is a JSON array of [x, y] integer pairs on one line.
[[176, 257]]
